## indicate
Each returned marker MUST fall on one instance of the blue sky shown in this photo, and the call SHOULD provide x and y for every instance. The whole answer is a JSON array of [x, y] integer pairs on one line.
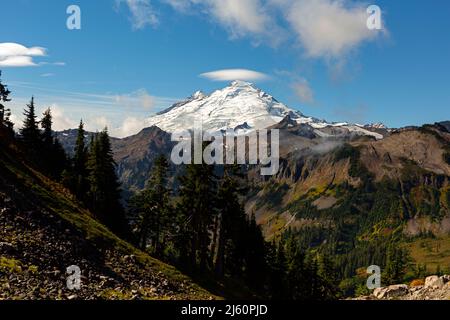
[[132, 58]]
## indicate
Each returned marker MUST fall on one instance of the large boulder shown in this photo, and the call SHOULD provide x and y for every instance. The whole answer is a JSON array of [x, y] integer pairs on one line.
[[393, 291], [434, 282], [379, 293]]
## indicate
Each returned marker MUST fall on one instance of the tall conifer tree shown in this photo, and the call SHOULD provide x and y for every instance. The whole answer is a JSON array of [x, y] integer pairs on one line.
[[5, 113], [30, 131], [104, 190]]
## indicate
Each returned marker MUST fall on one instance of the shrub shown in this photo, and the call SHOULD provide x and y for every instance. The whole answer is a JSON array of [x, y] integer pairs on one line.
[[417, 283]]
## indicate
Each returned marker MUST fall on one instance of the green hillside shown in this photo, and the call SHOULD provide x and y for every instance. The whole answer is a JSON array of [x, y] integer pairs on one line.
[[45, 230]]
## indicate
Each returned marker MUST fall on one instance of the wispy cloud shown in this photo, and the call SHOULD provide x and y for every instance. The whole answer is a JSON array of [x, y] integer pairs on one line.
[[234, 74], [303, 90], [180, 5], [58, 63], [122, 113], [139, 98], [136, 99], [142, 13], [299, 85], [17, 55]]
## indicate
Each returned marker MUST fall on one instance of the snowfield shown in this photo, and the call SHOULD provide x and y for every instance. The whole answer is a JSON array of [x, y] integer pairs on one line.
[[241, 106]]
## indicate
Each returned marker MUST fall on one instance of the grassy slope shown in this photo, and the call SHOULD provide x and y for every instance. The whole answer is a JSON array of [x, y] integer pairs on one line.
[[54, 198], [433, 252]]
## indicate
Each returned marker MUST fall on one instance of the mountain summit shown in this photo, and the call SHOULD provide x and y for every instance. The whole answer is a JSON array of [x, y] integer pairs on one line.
[[240, 106]]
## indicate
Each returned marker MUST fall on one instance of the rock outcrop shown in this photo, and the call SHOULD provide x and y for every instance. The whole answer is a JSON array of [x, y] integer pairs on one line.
[[435, 288]]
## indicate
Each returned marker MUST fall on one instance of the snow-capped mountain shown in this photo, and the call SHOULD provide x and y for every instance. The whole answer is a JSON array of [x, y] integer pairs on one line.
[[240, 106]]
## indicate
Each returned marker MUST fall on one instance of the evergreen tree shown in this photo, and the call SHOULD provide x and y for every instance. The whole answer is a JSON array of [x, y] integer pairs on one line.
[[152, 208], [53, 158], [5, 113], [104, 193], [397, 260], [60, 159], [30, 131], [230, 226], [46, 125], [310, 276], [276, 260], [298, 274], [80, 159], [255, 264], [327, 276], [197, 208]]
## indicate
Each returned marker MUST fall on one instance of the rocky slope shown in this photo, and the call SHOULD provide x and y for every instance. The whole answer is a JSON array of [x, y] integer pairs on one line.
[[322, 179], [43, 230]]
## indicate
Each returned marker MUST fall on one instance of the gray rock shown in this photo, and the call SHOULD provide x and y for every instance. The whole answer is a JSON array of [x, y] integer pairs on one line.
[[379, 293], [393, 291], [434, 282]]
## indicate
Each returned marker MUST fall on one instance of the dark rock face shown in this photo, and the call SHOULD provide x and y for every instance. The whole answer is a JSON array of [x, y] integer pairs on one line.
[[135, 156]]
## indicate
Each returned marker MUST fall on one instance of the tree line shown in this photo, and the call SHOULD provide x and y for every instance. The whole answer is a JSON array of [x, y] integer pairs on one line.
[[90, 174], [202, 228], [200, 225]]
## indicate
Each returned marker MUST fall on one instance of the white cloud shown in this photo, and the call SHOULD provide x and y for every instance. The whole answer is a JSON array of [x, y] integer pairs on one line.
[[47, 75], [139, 99], [303, 90], [142, 13], [328, 28], [234, 74], [130, 126], [60, 120], [97, 123], [17, 61], [241, 18], [14, 49], [17, 121], [324, 28], [17, 55]]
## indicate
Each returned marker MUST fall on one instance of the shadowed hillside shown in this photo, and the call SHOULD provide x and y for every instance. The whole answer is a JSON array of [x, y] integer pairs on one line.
[[44, 230]]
